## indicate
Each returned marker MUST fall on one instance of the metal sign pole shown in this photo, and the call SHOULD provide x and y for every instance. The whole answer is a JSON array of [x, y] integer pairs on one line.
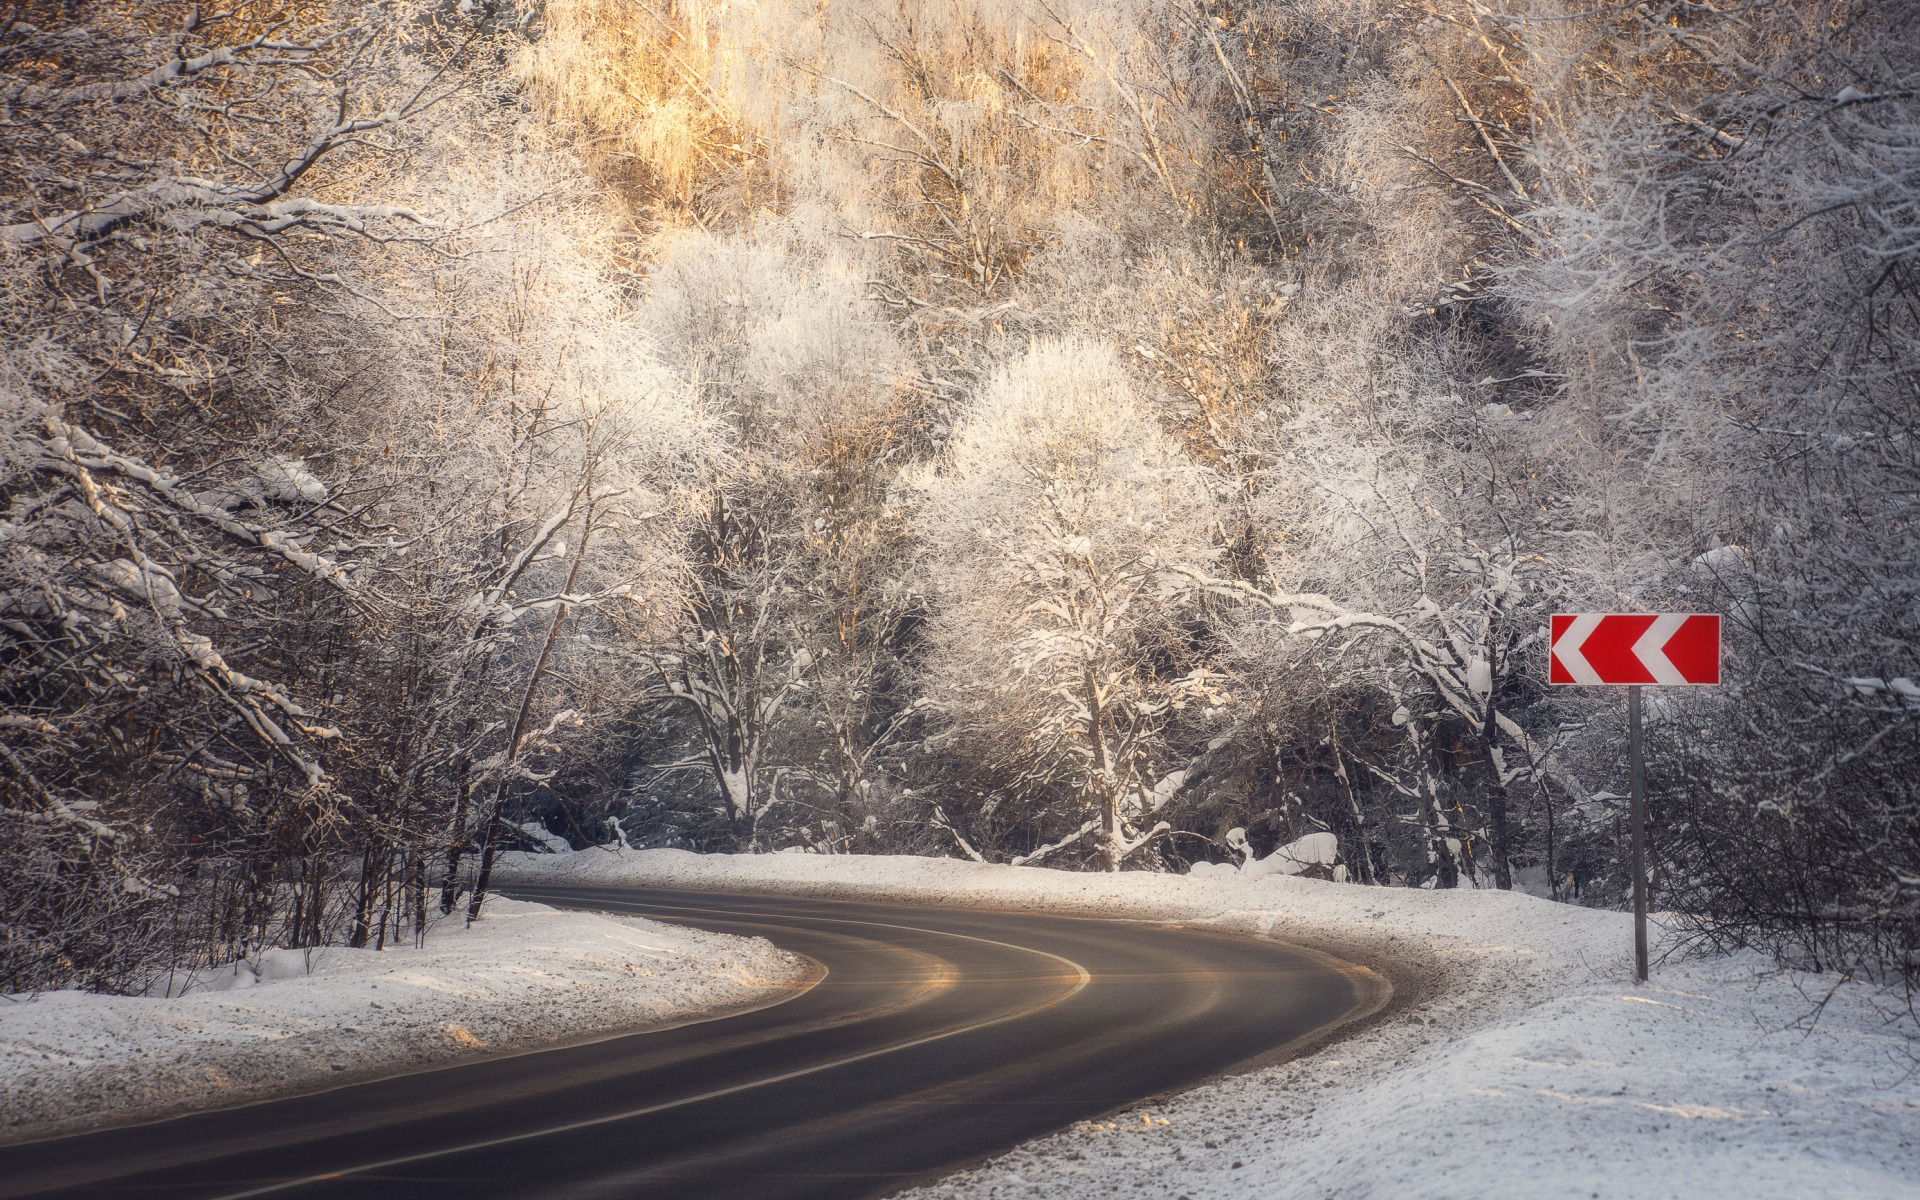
[[1639, 819], [1667, 649]]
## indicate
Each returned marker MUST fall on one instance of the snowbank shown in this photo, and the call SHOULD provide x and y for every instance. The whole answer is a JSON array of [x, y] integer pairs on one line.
[[294, 1020], [1518, 1059]]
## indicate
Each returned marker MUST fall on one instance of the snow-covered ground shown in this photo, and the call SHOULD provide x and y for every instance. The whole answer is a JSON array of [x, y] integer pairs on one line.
[[1519, 1059], [290, 1021]]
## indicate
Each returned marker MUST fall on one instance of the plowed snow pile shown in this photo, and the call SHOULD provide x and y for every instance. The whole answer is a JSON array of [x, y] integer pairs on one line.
[[296, 1020], [1517, 1060]]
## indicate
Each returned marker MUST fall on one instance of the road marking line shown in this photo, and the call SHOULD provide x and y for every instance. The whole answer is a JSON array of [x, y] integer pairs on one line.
[[1084, 978]]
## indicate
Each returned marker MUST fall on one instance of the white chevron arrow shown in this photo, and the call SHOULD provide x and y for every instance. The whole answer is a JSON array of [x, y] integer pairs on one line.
[[1567, 648], [1651, 648]]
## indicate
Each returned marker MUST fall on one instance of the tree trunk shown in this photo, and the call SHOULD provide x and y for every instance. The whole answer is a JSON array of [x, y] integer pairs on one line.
[[363, 903], [417, 879], [1496, 806], [317, 904], [1446, 862], [1434, 826], [386, 908], [1111, 834], [463, 761], [1359, 853], [456, 842], [1111, 839], [1553, 874], [492, 839]]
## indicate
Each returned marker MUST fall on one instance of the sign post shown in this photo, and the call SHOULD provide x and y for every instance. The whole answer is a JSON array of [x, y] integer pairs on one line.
[[1666, 649], [1637, 813]]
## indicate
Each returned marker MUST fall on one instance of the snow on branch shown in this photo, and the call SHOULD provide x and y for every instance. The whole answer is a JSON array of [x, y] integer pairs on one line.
[[1036, 855], [263, 51], [69, 449]]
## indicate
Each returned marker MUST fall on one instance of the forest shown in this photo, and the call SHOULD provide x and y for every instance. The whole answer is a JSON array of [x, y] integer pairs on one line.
[[1093, 434]]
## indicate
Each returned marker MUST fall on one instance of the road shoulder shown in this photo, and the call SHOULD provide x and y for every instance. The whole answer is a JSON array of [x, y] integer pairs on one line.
[[524, 977]]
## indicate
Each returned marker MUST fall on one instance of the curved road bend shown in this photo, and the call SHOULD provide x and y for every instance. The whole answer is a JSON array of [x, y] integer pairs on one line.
[[937, 1036]]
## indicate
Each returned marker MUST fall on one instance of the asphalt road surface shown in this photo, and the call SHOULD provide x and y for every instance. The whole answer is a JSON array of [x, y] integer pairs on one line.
[[936, 1037]]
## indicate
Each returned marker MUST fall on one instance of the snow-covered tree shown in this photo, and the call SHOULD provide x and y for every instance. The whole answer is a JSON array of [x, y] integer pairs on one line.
[[286, 477], [1057, 528], [784, 621]]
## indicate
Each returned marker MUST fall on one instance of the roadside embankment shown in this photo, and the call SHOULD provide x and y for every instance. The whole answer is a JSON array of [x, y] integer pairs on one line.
[[289, 1021]]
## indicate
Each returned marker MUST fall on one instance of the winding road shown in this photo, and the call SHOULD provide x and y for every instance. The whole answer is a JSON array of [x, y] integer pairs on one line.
[[935, 1037]]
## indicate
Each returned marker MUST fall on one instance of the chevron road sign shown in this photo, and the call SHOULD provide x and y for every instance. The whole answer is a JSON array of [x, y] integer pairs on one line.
[[1658, 648], [1635, 649]]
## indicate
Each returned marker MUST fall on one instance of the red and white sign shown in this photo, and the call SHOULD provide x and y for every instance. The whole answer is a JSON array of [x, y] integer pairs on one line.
[[1666, 648]]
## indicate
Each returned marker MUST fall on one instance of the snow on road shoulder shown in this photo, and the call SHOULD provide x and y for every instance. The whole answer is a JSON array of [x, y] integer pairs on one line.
[[1523, 1061], [1700, 1086], [288, 1021]]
